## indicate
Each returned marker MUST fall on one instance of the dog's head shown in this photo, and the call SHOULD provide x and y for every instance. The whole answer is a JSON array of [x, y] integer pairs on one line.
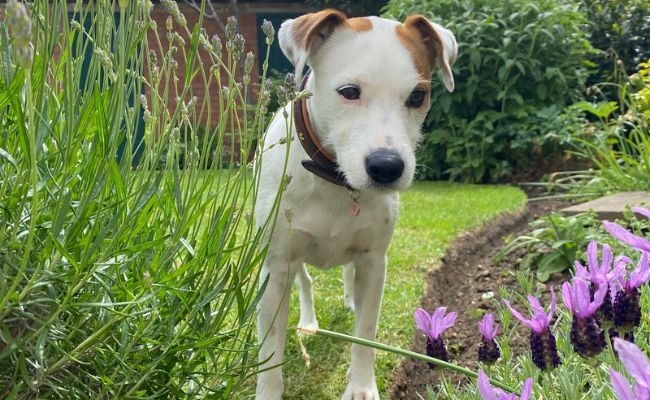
[[371, 79]]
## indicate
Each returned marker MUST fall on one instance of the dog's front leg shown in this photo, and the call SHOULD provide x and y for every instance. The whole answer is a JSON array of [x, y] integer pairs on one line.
[[272, 319], [368, 291], [308, 319]]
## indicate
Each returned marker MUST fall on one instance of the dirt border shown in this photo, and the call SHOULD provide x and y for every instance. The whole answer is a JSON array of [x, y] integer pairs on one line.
[[466, 282]]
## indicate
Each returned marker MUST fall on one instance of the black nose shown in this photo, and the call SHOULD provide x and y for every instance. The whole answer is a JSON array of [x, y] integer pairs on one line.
[[384, 166]]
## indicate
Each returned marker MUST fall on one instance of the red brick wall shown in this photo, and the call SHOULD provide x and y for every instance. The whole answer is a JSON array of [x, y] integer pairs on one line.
[[247, 27]]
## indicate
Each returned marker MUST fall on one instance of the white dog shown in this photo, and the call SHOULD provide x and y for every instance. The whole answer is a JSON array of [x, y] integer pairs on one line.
[[370, 81]]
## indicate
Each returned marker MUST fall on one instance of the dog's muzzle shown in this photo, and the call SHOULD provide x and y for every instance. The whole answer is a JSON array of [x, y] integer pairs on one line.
[[384, 166]]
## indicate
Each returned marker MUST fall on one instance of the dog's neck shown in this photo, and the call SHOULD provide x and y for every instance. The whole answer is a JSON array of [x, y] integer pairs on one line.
[[321, 162]]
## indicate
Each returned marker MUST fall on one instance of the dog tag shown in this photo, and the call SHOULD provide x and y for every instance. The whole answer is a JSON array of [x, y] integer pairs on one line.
[[355, 209]]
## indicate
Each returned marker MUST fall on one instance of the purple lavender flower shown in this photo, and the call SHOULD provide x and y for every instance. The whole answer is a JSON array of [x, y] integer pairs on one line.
[[627, 237], [542, 342], [599, 274], [488, 350], [434, 326], [637, 365], [587, 337], [490, 393], [627, 304]]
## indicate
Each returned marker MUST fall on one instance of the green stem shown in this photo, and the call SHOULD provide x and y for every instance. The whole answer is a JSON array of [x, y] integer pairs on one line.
[[396, 350]]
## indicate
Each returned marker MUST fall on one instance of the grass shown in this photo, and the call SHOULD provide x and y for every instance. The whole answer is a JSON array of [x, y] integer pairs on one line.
[[432, 215]]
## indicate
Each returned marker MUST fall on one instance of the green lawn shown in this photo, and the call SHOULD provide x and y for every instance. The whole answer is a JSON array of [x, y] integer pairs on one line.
[[432, 215]]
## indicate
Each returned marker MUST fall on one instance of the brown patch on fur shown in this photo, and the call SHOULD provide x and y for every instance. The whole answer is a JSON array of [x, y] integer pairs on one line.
[[422, 41], [316, 25], [359, 24], [319, 25]]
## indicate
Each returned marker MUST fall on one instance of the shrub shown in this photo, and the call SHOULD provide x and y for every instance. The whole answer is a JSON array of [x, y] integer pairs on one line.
[[618, 145], [115, 281], [619, 29], [519, 64]]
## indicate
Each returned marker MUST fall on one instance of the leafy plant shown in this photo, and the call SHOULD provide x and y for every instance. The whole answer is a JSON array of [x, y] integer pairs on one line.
[[619, 30], [121, 279], [554, 243], [618, 145], [519, 64]]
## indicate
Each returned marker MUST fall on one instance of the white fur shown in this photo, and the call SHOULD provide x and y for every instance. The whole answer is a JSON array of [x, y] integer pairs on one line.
[[314, 224]]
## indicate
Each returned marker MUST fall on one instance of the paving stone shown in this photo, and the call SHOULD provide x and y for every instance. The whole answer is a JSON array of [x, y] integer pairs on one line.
[[612, 206]]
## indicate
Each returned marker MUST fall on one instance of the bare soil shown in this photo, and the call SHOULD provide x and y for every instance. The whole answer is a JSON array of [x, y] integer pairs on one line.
[[469, 277]]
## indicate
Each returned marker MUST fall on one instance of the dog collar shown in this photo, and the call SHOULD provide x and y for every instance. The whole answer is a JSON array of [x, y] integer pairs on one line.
[[321, 162]]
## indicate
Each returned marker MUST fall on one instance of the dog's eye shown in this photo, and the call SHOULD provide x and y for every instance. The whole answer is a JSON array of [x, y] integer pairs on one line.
[[349, 92], [416, 98]]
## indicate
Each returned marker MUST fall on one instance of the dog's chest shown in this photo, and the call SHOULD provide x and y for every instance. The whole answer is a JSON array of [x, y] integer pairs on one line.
[[327, 235]]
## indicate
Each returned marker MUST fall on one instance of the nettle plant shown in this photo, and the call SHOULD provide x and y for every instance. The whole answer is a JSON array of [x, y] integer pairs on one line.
[[123, 275]]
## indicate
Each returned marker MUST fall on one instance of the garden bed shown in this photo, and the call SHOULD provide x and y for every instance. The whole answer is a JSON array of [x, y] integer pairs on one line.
[[468, 282]]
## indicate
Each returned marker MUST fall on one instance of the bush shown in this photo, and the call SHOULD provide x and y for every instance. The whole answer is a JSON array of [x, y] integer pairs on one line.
[[115, 281], [618, 145], [619, 29], [519, 64]]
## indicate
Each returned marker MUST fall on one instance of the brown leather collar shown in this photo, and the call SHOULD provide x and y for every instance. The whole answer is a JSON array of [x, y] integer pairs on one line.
[[321, 163]]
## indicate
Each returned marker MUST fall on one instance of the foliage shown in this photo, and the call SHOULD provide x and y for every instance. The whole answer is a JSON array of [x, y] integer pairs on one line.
[[119, 279], [640, 88], [619, 29], [519, 64], [554, 243], [617, 143], [557, 240]]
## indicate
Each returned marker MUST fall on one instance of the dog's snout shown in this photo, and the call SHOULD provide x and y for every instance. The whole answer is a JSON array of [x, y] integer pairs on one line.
[[384, 166]]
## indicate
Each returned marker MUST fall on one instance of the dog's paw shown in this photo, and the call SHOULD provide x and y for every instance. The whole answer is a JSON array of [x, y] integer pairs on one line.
[[353, 392], [308, 324]]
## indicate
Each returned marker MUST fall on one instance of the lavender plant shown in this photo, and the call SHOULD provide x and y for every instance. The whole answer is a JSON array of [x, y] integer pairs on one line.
[[488, 350], [542, 341], [587, 336], [434, 326], [123, 277]]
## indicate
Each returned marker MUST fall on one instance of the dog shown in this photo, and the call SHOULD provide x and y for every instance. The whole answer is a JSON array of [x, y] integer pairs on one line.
[[350, 150]]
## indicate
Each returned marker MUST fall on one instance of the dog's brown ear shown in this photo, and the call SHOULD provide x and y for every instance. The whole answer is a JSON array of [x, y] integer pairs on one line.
[[440, 45], [303, 36]]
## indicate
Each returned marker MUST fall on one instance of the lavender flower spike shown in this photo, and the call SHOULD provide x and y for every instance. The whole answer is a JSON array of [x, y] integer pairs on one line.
[[434, 325], [595, 272], [540, 321], [542, 342], [490, 393], [487, 327], [488, 350], [577, 298], [587, 337], [637, 365], [627, 305]]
